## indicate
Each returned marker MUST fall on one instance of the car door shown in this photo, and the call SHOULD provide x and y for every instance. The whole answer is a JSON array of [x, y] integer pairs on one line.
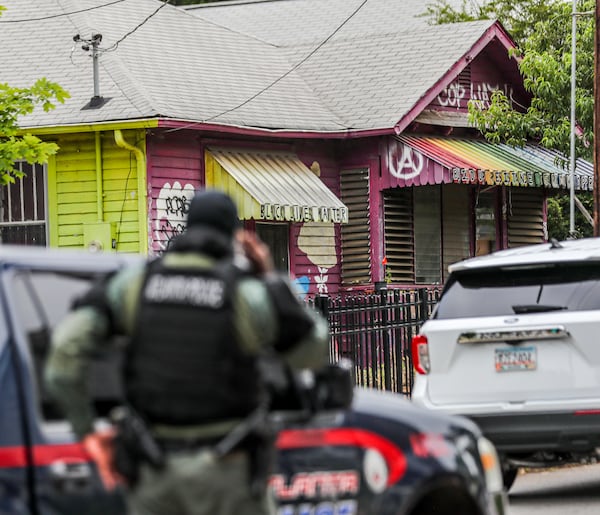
[[59, 474], [15, 479], [335, 463]]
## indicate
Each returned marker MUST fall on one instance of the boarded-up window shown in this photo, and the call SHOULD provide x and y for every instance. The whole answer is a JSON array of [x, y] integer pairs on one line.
[[455, 224], [356, 240], [23, 207], [399, 235], [525, 216]]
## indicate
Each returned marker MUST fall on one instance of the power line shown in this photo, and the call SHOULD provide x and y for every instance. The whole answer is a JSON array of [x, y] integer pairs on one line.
[[295, 67], [62, 14], [114, 46]]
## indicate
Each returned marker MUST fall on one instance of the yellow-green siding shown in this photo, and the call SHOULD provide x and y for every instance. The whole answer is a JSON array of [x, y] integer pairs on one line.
[[84, 169]]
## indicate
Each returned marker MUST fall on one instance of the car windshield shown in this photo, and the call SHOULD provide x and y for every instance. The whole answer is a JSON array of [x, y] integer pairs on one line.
[[520, 289]]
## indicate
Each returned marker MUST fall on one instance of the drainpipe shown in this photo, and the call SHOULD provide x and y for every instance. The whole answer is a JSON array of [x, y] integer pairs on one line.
[[141, 189], [99, 187]]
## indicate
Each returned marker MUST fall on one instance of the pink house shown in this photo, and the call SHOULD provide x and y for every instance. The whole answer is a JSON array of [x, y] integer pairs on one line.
[[340, 130]]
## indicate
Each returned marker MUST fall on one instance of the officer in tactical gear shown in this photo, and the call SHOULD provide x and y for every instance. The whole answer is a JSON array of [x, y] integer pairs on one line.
[[198, 320]]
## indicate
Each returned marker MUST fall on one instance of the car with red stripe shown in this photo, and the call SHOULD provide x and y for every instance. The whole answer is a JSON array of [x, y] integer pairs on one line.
[[386, 456], [380, 456]]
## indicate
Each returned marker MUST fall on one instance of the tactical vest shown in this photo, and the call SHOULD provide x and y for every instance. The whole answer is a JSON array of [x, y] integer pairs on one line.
[[184, 366]]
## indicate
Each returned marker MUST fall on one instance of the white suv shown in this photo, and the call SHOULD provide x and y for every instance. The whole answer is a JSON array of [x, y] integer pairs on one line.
[[514, 344]]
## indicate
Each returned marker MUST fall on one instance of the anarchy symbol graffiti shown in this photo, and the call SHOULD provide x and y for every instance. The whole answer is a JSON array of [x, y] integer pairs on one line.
[[409, 165]]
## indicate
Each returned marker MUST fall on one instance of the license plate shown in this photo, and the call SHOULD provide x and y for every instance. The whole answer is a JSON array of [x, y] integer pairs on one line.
[[513, 359]]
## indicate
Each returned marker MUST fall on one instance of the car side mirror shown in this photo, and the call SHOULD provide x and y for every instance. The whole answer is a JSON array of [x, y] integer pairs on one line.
[[334, 386]]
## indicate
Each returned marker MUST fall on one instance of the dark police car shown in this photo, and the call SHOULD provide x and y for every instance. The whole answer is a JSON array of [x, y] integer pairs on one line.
[[381, 456]]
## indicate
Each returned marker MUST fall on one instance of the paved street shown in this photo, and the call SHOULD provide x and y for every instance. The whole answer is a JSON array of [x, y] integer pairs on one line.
[[572, 491]]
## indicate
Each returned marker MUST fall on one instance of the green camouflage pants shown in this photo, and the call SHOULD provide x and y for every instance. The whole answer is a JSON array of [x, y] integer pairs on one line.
[[195, 483]]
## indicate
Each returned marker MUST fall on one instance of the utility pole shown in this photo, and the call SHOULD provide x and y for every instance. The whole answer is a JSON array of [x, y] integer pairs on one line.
[[573, 119], [596, 190], [93, 43]]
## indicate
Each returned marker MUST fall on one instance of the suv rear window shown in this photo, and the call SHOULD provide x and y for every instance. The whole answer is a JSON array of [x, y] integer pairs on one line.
[[520, 289]]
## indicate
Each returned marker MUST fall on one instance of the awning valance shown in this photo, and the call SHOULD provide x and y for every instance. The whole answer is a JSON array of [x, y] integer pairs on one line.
[[470, 161], [271, 185]]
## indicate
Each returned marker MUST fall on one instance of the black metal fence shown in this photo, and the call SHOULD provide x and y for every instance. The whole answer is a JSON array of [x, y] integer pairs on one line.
[[375, 332]]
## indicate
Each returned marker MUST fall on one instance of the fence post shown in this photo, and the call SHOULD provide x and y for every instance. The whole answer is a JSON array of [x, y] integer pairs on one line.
[[423, 305], [322, 304], [387, 366]]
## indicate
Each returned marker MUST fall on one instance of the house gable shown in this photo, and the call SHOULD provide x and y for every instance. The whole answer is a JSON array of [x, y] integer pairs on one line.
[[490, 71], [484, 66]]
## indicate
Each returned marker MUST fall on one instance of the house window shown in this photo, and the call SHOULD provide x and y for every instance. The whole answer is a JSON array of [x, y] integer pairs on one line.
[[456, 225], [525, 216], [428, 234], [426, 228], [399, 235], [356, 238], [276, 237], [23, 207], [485, 222]]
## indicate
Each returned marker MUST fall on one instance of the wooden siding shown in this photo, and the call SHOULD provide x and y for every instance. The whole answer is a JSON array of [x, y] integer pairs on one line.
[[175, 168], [317, 267], [317, 270], [74, 182]]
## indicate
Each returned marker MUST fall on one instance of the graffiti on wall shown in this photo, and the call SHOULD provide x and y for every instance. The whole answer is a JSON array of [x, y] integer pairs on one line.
[[405, 162], [317, 241], [457, 95], [172, 206]]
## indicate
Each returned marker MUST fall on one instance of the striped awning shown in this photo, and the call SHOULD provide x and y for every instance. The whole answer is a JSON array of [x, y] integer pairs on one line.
[[271, 185], [470, 161]]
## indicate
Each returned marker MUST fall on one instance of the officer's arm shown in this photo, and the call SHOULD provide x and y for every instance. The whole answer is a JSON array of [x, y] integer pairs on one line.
[[83, 332], [255, 322], [259, 323], [312, 350], [73, 340]]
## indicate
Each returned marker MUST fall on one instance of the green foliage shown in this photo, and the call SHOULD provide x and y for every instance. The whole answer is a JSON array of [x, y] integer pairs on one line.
[[542, 32], [559, 216], [14, 146], [388, 276], [558, 220]]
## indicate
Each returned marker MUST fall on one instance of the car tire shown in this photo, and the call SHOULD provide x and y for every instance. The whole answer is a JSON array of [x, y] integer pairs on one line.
[[509, 475], [449, 497]]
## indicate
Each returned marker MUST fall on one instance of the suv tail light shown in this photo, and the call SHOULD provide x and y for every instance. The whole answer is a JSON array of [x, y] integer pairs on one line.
[[420, 354]]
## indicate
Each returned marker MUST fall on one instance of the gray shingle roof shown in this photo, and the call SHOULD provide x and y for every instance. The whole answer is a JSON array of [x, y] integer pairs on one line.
[[293, 22], [190, 65]]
